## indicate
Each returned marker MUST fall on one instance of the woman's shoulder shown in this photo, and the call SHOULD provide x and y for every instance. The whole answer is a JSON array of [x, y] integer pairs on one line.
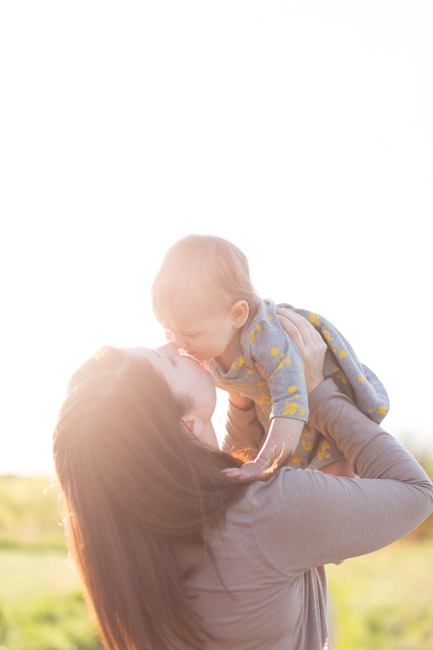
[[263, 518], [281, 501], [264, 499]]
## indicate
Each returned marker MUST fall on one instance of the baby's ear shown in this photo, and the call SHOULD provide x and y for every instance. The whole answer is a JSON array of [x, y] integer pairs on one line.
[[239, 313]]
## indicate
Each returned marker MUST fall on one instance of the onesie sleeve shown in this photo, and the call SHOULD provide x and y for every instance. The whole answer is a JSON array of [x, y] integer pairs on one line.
[[274, 350], [314, 518]]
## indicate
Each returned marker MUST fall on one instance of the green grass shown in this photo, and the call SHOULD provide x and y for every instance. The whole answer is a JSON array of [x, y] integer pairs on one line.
[[383, 601], [28, 573], [41, 605], [29, 513]]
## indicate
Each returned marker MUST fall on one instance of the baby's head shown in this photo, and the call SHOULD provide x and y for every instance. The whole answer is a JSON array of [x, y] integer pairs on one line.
[[202, 294]]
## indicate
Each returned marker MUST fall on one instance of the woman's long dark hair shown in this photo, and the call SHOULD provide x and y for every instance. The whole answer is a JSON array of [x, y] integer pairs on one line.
[[137, 491]]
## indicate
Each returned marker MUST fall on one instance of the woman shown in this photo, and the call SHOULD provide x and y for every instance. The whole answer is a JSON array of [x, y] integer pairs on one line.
[[173, 550]]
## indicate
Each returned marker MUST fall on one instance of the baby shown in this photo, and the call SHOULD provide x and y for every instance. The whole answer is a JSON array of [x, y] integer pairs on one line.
[[203, 297]]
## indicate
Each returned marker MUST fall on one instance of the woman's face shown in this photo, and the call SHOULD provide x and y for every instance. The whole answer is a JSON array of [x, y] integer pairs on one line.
[[185, 377]]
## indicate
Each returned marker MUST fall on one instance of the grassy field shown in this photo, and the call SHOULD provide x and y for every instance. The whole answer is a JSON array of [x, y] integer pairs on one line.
[[382, 601], [41, 606], [29, 513]]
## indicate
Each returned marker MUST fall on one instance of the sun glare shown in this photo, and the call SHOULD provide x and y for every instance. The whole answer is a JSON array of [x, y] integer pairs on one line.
[[301, 134]]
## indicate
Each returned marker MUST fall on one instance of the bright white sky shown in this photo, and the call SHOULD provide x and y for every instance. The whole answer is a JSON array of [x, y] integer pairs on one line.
[[301, 131]]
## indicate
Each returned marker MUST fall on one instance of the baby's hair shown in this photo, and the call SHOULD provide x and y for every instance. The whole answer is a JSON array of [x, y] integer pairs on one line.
[[205, 271]]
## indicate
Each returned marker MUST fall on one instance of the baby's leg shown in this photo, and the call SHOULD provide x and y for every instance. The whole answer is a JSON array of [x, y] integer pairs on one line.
[[340, 467]]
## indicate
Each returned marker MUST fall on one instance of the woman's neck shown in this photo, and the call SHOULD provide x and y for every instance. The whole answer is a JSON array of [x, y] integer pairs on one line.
[[208, 435]]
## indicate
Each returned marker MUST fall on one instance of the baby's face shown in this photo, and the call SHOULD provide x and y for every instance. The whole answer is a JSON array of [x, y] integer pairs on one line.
[[205, 335]]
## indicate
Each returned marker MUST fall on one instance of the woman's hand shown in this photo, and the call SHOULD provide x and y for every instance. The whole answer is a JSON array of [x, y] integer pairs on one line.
[[309, 343]]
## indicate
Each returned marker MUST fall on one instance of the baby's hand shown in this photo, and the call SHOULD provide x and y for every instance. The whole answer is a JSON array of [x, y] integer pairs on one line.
[[247, 470]]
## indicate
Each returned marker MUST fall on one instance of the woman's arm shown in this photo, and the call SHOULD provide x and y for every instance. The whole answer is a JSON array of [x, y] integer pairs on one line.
[[325, 518], [313, 518], [243, 429]]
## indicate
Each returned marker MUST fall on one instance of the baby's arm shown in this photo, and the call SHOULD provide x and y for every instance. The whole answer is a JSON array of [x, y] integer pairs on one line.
[[279, 362], [282, 439], [281, 442]]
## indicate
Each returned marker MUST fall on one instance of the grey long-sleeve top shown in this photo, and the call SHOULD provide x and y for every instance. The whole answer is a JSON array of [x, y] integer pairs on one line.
[[267, 588]]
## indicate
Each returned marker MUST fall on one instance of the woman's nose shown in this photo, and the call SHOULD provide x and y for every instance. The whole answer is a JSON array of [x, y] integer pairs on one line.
[[169, 350], [179, 341]]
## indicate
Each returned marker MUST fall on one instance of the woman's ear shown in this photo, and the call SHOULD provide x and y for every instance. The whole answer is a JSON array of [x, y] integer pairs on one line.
[[193, 425], [239, 313]]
